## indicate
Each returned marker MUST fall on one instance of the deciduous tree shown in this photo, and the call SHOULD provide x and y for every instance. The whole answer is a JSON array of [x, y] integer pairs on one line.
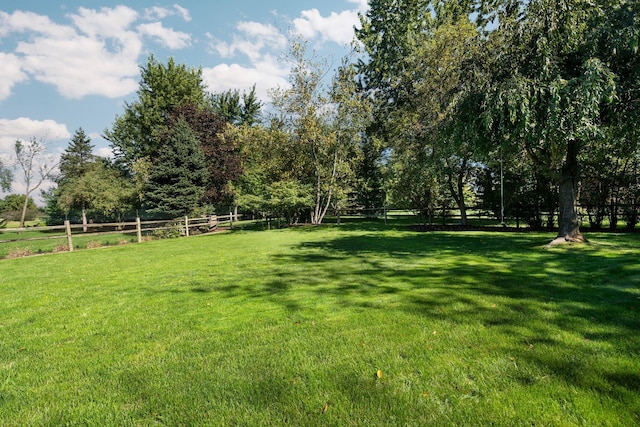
[[35, 168]]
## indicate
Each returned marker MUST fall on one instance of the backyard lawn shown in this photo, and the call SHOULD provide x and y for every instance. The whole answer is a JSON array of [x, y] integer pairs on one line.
[[359, 324]]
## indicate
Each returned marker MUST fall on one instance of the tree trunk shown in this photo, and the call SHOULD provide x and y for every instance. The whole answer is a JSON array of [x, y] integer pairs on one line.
[[461, 203], [568, 226], [457, 192], [24, 209], [84, 220]]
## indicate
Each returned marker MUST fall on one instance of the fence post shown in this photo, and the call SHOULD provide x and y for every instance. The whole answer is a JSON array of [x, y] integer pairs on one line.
[[139, 229], [186, 226], [231, 220], [67, 225]]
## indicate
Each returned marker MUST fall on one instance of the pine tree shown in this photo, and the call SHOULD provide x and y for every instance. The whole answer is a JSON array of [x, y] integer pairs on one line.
[[77, 158], [178, 178]]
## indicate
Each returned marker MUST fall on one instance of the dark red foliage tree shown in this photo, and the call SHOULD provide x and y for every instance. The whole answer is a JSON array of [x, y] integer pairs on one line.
[[222, 156]]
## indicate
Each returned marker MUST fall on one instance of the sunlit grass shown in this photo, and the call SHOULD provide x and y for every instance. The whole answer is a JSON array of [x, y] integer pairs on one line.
[[292, 326]]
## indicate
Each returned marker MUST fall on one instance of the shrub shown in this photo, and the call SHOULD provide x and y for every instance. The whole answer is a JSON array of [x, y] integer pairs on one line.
[[93, 245], [172, 231], [20, 253]]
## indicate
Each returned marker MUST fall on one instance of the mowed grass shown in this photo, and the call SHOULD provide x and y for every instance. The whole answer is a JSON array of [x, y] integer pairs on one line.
[[358, 324]]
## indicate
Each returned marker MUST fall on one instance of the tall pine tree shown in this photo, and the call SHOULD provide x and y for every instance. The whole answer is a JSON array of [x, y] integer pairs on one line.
[[177, 180]]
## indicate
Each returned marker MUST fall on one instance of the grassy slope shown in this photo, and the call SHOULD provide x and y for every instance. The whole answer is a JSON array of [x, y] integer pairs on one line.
[[291, 326]]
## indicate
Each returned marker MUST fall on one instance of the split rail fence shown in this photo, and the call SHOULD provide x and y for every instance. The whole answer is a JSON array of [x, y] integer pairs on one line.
[[184, 226]]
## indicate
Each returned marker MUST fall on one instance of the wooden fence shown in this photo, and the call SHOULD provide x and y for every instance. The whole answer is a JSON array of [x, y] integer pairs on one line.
[[182, 226]]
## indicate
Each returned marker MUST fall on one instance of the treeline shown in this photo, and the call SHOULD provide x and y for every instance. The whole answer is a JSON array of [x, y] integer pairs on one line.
[[522, 107]]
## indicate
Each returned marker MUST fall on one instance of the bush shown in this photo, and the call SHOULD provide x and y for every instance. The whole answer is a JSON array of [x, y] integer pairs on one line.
[[171, 231], [20, 253]]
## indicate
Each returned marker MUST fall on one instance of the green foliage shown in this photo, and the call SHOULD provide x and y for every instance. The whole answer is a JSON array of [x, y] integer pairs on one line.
[[11, 208], [177, 179], [77, 158], [546, 80], [289, 199], [291, 327], [323, 127], [229, 106], [102, 189], [169, 231], [135, 134], [221, 155], [5, 177]]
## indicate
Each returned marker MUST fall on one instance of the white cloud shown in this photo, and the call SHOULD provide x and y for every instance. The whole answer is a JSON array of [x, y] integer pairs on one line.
[[170, 38], [252, 39], [81, 66], [24, 128], [256, 41], [184, 13], [106, 22], [97, 54], [21, 21], [265, 74], [363, 5], [105, 152], [10, 74], [157, 12], [337, 27]]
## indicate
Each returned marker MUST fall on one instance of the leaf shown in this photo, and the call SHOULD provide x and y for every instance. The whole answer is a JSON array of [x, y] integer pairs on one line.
[[325, 408], [379, 374]]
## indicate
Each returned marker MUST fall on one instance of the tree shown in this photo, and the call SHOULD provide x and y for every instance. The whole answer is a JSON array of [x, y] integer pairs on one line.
[[177, 180], [548, 93], [34, 166], [221, 155], [75, 162], [324, 127], [5, 177], [418, 69], [11, 207], [238, 112], [77, 157], [135, 135]]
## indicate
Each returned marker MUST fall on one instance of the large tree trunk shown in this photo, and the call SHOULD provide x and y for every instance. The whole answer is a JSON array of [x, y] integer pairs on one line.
[[569, 228], [457, 190]]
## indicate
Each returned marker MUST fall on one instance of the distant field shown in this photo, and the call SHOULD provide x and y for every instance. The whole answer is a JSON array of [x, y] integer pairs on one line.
[[358, 324]]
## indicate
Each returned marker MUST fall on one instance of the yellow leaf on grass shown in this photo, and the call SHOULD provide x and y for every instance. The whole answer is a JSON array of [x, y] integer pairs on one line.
[[379, 374], [325, 408]]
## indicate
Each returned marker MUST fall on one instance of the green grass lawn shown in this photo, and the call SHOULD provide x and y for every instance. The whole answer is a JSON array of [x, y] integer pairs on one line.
[[54, 241], [357, 324]]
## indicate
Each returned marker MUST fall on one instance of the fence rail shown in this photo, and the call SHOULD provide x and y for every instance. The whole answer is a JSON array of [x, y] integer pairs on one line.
[[184, 226]]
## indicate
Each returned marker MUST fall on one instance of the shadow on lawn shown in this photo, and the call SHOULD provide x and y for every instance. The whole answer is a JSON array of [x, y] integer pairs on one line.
[[504, 282]]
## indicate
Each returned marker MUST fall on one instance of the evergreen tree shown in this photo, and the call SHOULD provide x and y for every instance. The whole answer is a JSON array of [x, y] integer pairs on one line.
[[178, 178], [75, 162], [134, 136], [229, 106], [77, 158]]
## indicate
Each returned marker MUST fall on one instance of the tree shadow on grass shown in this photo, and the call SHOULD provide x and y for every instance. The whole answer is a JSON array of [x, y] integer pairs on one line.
[[507, 283]]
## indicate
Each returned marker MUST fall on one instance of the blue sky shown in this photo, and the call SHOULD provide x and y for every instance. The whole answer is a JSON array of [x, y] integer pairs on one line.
[[71, 64]]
